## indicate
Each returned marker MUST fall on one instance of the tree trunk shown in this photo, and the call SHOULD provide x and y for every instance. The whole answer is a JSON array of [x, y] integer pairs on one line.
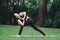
[[42, 11]]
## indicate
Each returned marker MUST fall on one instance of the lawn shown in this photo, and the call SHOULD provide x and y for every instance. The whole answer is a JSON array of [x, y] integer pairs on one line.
[[7, 30]]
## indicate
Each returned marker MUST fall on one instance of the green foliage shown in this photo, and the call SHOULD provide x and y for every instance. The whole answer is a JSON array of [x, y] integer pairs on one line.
[[50, 2], [31, 6], [53, 14], [32, 9], [57, 20]]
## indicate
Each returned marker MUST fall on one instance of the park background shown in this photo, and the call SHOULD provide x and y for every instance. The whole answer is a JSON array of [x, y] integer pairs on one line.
[[45, 13]]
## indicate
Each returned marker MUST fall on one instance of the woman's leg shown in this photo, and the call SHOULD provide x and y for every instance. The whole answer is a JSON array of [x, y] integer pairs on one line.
[[21, 29], [35, 27]]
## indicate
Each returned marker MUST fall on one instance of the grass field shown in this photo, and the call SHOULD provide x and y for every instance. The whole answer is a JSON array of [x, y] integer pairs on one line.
[[6, 30]]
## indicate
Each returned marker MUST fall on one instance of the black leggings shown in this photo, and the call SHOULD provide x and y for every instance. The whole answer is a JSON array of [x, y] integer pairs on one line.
[[31, 23]]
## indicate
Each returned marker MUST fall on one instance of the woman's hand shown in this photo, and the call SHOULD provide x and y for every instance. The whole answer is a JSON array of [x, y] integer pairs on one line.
[[22, 24]]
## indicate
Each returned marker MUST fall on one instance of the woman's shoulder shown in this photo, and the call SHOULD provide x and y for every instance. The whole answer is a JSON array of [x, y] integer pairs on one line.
[[22, 13]]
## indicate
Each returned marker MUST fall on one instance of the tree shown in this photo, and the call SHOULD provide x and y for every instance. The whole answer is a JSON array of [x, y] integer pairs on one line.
[[42, 11]]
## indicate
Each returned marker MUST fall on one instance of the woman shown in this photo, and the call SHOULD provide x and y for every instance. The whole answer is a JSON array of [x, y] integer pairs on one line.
[[24, 20]]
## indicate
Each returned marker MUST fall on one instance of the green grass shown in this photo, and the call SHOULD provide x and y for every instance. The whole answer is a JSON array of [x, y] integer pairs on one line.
[[6, 30]]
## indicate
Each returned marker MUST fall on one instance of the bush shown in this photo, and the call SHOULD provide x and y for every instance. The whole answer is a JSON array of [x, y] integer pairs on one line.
[[56, 22]]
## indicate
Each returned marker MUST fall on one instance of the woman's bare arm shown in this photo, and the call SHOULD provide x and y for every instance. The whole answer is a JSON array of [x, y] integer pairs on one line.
[[23, 14], [24, 17]]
